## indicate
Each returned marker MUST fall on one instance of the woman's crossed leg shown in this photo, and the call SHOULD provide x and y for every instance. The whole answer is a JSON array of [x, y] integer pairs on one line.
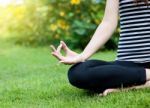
[[106, 77]]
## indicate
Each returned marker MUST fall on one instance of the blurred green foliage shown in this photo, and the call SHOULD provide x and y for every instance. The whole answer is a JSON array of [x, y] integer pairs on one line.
[[46, 22]]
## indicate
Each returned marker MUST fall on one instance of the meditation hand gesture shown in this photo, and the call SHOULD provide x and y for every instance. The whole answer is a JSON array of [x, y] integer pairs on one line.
[[70, 57]]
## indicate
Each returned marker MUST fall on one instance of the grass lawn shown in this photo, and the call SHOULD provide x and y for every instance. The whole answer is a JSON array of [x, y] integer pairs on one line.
[[32, 78]]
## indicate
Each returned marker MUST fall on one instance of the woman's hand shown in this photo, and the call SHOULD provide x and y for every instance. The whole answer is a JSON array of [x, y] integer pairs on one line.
[[70, 57]]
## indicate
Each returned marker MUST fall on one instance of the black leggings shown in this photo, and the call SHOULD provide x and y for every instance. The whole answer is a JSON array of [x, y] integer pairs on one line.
[[98, 75]]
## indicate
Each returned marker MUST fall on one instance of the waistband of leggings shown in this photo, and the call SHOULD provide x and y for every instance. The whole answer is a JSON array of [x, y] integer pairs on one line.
[[131, 64]]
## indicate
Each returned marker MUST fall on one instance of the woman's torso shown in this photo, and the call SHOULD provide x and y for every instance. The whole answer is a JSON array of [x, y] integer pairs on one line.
[[134, 40]]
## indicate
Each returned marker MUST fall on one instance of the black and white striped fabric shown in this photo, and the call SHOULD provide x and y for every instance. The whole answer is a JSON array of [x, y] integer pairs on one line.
[[134, 40]]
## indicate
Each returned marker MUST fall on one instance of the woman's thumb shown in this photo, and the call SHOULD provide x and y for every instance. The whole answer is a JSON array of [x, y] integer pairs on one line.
[[64, 45]]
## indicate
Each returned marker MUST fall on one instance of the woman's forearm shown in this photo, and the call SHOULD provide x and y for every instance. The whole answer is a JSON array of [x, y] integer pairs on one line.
[[100, 37], [104, 30]]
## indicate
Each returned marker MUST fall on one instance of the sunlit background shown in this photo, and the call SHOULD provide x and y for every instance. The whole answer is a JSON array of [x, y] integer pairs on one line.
[[8, 2], [41, 22]]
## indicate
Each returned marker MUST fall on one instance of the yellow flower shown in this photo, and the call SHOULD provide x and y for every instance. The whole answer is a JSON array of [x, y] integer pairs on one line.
[[53, 27], [61, 13], [75, 2], [62, 24]]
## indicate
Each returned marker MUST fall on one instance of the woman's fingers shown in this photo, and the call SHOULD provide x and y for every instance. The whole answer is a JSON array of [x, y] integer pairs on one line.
[[53, 48], [67, 62], [59, 49], [64, 46], [57, 52], [70, 55], [67, 50], [58, 56]]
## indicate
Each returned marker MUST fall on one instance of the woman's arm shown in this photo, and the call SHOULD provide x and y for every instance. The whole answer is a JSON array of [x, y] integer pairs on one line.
[[104, 30], [100, 37]]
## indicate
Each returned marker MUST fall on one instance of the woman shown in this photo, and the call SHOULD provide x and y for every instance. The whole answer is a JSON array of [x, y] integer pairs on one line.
[[131, 68]]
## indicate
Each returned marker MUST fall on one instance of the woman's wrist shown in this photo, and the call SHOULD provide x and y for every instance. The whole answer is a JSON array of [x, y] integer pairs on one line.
[[83, 57]]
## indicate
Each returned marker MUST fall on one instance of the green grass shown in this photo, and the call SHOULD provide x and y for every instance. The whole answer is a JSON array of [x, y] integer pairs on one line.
[[32, 78]]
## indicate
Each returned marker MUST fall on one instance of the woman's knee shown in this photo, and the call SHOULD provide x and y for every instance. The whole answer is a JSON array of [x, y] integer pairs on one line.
[[76, 74]]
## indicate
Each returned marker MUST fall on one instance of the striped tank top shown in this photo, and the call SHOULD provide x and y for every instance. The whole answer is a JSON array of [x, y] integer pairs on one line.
[[134, 40]]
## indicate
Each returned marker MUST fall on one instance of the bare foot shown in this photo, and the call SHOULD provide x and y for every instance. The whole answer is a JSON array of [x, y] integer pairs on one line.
[[147, 74], [112, 90], [108, 91]]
